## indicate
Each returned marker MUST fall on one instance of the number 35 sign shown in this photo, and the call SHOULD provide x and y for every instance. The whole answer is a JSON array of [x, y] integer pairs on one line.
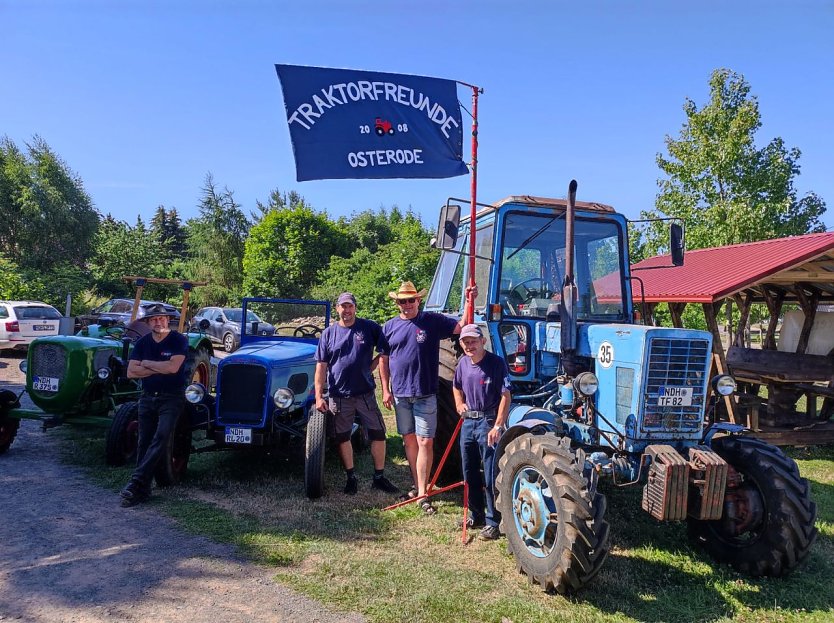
[[605, 354]]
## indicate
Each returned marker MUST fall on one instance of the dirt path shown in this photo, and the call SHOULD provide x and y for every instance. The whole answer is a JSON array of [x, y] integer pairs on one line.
[[69, 553]]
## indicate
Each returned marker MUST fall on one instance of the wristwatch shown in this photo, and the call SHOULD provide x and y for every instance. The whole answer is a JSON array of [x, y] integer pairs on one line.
[[500, 429]]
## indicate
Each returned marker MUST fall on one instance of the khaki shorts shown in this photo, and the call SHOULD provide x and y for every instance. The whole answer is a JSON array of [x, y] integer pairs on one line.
[[345, 410]]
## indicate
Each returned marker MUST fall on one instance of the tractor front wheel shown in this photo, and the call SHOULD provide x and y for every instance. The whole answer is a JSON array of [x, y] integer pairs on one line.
[[555, 526], [314, 454], [123, 436], [767, 526]]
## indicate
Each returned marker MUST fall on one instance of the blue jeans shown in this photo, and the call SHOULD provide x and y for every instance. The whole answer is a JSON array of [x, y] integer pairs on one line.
[[157, 419], [476, 453]]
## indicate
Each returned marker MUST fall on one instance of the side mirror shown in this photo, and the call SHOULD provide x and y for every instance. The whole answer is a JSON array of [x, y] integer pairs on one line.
[[676, 243], [448, 227]]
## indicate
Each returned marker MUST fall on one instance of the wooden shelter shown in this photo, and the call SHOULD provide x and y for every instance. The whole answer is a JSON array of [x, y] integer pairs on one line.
[[795, 270]]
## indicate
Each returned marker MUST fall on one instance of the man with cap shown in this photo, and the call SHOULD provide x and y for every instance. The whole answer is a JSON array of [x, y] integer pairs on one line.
[[482, 398], [414, 338], [157, 359], [344, 358]]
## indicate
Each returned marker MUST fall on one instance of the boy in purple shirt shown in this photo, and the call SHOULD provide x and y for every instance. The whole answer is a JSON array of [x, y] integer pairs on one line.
[[344, 357], [482, 398], [414, 338]]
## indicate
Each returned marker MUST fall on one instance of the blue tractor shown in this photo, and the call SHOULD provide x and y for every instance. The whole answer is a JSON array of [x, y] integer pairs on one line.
[[597, 396]]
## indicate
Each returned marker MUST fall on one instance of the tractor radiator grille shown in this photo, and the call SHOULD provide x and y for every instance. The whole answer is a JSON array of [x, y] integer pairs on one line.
[[676, 364], [242, 394], [49, 360]]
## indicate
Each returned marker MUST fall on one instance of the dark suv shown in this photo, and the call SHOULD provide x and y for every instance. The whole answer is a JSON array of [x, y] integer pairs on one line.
[[117, 312], [224, 325]]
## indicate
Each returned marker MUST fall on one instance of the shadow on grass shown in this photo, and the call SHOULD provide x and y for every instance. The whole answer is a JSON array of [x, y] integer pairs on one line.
[[655, 574]]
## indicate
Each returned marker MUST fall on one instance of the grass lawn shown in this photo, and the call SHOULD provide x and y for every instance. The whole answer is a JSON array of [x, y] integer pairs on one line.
[[404, 566]]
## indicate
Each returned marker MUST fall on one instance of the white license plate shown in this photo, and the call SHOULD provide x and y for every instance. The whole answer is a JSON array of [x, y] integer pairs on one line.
[[45, 383], [674, 397], [42, 327], [238, 435]]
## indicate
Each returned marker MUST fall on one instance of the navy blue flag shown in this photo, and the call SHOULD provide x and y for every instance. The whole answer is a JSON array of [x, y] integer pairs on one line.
[[348, 124]]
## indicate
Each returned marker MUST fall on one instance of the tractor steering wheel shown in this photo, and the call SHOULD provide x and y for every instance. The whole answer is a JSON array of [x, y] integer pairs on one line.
[[307, 330], [528, 294]]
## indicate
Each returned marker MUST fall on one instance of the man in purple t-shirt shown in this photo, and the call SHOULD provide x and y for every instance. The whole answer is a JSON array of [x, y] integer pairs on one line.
[[344, 357], [412, 366], [482, 398]]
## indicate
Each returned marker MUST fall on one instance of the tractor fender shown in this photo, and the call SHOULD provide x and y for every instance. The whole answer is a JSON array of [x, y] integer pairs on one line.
[[523, 427], [719, 427]]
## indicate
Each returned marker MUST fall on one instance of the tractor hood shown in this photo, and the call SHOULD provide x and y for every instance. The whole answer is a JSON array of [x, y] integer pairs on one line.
[[274, 353]]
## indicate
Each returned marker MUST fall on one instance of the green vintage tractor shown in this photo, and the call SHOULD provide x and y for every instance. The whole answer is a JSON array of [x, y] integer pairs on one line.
[[82, 379]]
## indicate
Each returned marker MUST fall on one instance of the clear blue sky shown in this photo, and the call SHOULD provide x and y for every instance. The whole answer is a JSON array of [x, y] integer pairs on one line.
[[142, 99]]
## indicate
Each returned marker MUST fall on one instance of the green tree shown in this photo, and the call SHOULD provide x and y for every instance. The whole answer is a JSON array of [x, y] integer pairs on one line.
[[14, 284], [215, 244], [122, 250], [287, 250], [46, 216], [372, 275], [167, 228], [724, 188]]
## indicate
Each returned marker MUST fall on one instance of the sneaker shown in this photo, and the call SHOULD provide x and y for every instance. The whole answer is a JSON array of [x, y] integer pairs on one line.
[[351, 486], [470, 523], [489, 533], [383, 484]]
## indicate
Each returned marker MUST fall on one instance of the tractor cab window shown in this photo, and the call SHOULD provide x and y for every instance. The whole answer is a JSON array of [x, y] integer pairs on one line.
[[452, 272], [533, 267]]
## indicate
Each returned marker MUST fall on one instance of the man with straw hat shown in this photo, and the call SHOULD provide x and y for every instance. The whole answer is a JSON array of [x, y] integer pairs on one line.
[[414, 338], [158, 359]]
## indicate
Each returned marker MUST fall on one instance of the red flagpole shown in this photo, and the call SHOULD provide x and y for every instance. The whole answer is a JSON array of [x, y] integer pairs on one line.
[[470, 316]]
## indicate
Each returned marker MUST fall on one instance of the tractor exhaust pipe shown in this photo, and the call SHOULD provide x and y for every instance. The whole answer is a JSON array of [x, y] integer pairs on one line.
[[569, 293]]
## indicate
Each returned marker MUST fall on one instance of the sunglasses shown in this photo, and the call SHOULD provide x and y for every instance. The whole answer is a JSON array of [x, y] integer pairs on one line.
[[404, 301]]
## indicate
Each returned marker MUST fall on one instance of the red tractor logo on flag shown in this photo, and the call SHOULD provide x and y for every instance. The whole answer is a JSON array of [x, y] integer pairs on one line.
[[383, 127]]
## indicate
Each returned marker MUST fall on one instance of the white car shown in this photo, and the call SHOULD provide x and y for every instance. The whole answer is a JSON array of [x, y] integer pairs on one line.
[[23, 321]]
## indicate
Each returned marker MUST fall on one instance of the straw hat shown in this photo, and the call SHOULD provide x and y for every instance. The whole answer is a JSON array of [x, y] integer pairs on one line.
[[407, 291]]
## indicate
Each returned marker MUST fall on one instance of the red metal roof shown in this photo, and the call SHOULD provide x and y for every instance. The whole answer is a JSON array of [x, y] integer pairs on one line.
[[709, 275]]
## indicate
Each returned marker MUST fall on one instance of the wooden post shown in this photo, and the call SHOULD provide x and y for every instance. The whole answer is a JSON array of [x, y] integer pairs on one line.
[[743, 304], [774, 306], [719, 361], [676, 311], [808, 303]]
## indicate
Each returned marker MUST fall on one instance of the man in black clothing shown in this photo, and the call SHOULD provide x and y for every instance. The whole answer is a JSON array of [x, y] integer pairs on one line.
[[158, 359]]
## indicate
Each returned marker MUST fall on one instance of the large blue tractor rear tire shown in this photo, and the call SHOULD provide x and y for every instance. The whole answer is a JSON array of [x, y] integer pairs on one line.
[[555, 526]]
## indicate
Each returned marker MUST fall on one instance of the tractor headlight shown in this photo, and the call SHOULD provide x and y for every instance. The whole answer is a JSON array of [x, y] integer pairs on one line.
[[724, 385], [586, 383], [103, 373], [195, 393], [283, 397], [23, 365]]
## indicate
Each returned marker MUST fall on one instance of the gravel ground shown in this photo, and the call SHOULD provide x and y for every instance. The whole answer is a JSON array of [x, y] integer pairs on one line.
[[69, 553]]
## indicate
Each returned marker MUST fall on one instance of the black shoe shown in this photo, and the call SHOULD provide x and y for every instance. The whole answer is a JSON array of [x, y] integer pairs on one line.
[[351, 486], [132, 497], [489, 533], [383, 484]]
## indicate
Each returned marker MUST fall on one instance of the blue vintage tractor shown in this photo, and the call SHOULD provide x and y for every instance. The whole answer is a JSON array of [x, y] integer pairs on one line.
[[597, 396]]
